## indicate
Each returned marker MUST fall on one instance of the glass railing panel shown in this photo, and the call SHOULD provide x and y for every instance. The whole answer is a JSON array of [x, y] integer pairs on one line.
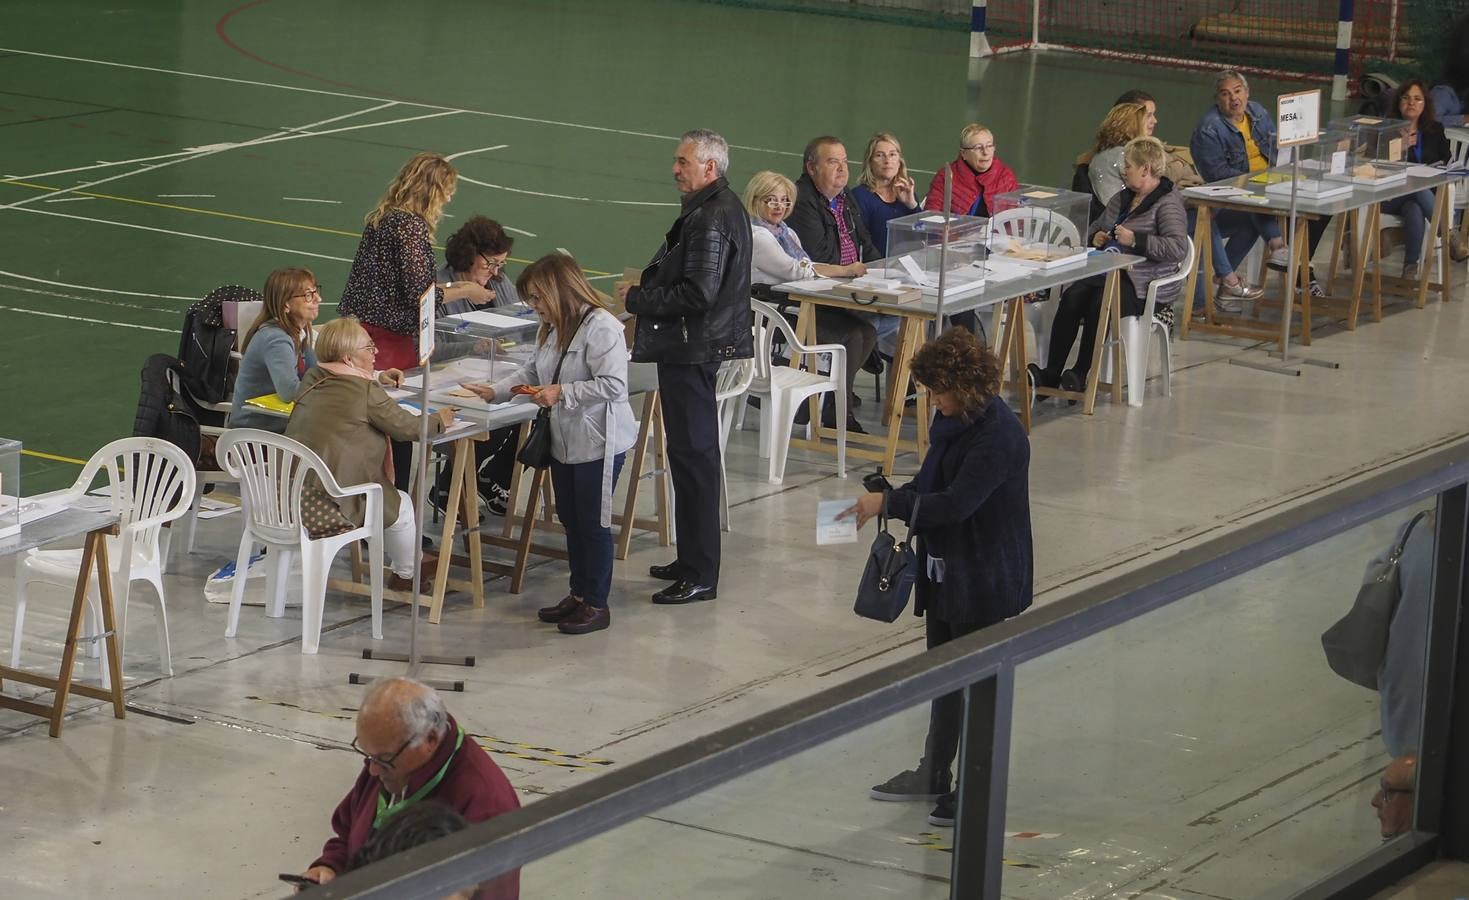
[[1207, 748]]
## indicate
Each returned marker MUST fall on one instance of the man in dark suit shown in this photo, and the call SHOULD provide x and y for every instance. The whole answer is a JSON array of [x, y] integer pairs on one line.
[[829, 222], [693, 309]]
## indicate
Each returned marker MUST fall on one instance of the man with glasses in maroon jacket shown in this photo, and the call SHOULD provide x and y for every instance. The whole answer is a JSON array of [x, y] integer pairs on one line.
[[413, 750]]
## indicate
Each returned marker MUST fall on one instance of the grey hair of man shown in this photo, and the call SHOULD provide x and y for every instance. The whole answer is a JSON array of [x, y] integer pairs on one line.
[[416, 706], [708, 145], [1228, 75]]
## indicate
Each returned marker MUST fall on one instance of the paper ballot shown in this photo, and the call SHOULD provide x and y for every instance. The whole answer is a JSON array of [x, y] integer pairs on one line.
[[831, 531]]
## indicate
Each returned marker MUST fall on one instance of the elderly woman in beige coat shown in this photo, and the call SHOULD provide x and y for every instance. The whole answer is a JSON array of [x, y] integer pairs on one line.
[[343, 413]]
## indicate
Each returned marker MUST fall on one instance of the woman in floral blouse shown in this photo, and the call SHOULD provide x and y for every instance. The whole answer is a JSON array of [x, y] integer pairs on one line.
[[394, 264]]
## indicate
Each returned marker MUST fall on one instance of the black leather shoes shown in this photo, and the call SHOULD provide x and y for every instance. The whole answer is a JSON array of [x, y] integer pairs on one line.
[[585, 620], [670, 572], [566, 607], [684, 592]]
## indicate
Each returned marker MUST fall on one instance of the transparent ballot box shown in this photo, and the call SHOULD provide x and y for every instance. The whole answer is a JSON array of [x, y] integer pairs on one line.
[[478, 347], [1048, 230], [1325, 169], [9, 487], [1379, 150], [916, 255]]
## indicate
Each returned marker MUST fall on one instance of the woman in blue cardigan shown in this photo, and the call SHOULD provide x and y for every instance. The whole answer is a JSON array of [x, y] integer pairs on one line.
[[277, 350], [972, 496]]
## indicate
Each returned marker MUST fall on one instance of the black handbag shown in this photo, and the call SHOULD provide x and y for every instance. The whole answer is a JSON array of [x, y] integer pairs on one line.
[[892, 568], [535, 453], [1355, 645]]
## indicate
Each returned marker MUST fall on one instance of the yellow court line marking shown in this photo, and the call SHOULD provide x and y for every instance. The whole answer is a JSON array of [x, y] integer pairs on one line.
[[229, 215], [52, 456]]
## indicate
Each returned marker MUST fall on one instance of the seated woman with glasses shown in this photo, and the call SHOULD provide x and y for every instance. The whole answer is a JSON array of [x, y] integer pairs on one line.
[[277, 349], [476, 254], [1145, 218], [776, 255], [343, 413], [978, 175]]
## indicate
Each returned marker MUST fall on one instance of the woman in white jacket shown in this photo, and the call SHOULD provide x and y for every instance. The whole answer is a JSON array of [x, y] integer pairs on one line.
[[592, 425]]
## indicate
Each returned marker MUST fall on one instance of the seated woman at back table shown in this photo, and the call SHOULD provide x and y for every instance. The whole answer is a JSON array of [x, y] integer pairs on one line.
[[1184, 174], [1103, 162], [1146, 218], [1425, 143], [884, 193], [343, 413], [476, 254], [777, 257], [978, 175], [885, 189], [277, 349]]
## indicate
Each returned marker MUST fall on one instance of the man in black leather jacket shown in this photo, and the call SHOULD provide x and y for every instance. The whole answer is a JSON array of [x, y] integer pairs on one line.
[[693, 309]]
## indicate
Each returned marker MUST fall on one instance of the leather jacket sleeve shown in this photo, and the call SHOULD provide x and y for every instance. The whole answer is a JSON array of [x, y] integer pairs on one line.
[[706, 248]]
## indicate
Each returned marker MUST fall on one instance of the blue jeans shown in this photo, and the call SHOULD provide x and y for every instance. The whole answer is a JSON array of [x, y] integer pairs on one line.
[[1415, 210], [578, 489], [1238, 230]]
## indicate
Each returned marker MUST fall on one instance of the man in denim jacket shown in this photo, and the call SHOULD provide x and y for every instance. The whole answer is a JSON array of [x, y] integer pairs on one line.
[[1236, 137]]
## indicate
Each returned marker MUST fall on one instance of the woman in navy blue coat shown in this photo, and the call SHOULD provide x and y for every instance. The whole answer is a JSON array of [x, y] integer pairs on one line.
[[972, 496]]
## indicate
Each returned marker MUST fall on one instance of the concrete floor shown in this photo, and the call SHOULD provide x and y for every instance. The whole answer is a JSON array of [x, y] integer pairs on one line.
[[1203, 751]]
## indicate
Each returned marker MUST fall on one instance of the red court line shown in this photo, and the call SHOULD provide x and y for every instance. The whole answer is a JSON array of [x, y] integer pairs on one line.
[[221, 29]]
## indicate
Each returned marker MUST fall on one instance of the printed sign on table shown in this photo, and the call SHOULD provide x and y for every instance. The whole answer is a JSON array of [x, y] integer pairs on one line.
[[1298, 118]]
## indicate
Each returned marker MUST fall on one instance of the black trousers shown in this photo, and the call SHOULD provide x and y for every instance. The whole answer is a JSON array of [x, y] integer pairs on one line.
[[1081, 309], [691, 423], [946, 716]]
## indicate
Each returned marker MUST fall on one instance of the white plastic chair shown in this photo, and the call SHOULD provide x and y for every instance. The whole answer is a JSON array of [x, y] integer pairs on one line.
[[730, 386], [1029, 224], [272, 470], [1137, 336], [151, 482], [782, 389]]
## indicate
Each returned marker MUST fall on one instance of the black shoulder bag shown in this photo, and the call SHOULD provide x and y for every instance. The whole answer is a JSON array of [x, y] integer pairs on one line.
[[892, 567], [535, 453]]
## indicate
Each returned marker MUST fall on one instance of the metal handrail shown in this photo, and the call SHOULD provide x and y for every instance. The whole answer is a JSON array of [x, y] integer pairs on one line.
[[506, 842]]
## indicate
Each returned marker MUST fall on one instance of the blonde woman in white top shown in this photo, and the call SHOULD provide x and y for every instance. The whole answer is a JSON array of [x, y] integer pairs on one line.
[[777, 257]]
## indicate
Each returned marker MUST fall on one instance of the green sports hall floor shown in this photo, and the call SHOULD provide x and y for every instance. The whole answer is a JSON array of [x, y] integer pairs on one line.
[[150, 151]]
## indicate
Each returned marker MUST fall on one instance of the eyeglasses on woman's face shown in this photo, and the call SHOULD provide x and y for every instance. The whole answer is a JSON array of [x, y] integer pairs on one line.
[[494, 263], [312, 294], [776, 201]]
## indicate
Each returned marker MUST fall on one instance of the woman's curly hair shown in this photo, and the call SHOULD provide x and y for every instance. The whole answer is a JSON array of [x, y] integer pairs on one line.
[[957, 362]]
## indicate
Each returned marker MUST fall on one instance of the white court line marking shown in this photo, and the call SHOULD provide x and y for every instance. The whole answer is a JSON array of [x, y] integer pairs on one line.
[[103, 164], [253, 142], [501, 187], [326, 93], [88, 287], [79, 298], [69, 199], [308, 200], [454, 156], [186, 195], [89, 321], [519, 231], [600, 277], [187, 234]]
